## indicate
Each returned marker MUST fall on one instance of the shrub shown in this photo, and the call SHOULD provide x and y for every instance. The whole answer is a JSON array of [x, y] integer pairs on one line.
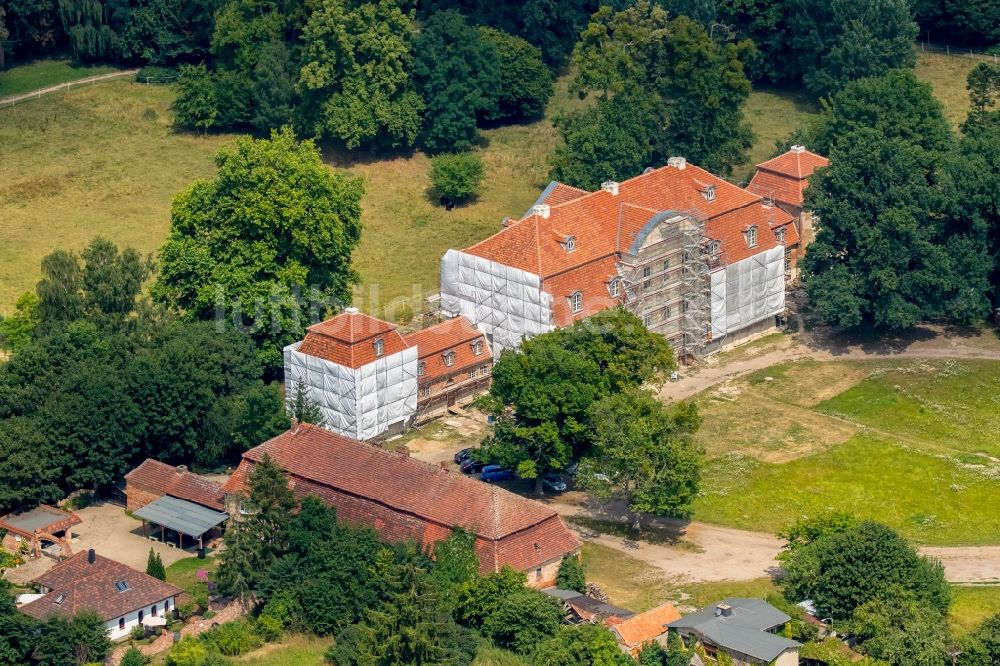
[[133, 657], [234, 638], [138, 632], [154, 74], [457, 176], [571, 576], [269, 627], [189, 652]]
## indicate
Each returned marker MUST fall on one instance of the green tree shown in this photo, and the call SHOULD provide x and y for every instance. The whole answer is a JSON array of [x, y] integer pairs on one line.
[[273, 227], [260, 535], [522, 620], [897, 629], [86, 25], [457, 176], [845, 569], [896, 104], [154, 566], [525, 81], [981, 647], [643, 454], [356, 76], [17, 329], [133, 657], [257, 415], [77, 640], [581, 645], [455, 559], [480, 597], [895, 246], [196, 106], [805, 531], [414, 626], [17, 630], [570, 575], [303, 409], [457, 72], [984, 96], [843, 40], [189, 652], [273, 87]]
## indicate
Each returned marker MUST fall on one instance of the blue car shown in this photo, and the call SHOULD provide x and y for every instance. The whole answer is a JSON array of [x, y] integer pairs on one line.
[[492, 473]]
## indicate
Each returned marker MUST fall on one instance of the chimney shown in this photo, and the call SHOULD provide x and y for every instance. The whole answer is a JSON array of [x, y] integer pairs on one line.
[[610, 186], [182, 468], [91, 556], [542, 210], [798, 149], [294, 423], [723, 610], [506, 222], [351, 310], [677, 162]]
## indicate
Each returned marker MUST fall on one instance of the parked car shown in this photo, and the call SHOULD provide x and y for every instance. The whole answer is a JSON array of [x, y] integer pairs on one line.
[[493, 473], [472, 466], [463, 455], [553, 483]]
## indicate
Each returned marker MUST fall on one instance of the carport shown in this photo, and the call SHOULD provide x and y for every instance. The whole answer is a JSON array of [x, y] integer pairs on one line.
[[181, 516]]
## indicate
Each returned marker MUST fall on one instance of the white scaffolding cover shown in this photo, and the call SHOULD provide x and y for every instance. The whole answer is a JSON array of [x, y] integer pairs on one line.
[[505, 303], [360, 403], [748, 291]]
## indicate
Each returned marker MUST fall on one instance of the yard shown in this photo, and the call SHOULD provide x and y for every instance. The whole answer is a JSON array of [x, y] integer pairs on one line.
[[184, 573], [104, 160], [910, 443]]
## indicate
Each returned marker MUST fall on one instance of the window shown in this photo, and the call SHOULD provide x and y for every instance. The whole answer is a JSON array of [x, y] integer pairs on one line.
[[666, 265], [121, 624], [647, 320], [166, 606], [667, 312], [570, 243], [779, 233], [61, 598], [576, 302], [646, 272], [421, 368], [614, 287], [751, 236], [538, 573], [152, 611], [714, 247], [472, 373], [379, 347], [141, 615], [484, 371], [121, 585], [710, 193], [788, 261], [449, 359], [425, 392], [477, 347]]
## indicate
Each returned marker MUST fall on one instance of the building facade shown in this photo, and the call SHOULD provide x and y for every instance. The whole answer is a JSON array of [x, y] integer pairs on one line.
[[698, 259], [405, 499]]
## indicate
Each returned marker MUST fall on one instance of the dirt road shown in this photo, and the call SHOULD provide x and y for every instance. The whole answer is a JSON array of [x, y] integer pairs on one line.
[[11, 100], [699, 552]]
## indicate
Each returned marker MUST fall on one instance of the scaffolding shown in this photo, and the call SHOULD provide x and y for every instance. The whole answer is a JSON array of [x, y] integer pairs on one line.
[[665, 281]]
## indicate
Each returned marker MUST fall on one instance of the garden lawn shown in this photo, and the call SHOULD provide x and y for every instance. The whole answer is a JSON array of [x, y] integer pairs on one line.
[[971, 605], [293, 650], [183, 573], [45, 73]]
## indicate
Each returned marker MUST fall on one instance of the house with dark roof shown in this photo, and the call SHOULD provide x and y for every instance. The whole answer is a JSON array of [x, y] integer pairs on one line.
[[745, 629], [121, 596], [784, 180], [406, 499], [697, 258]]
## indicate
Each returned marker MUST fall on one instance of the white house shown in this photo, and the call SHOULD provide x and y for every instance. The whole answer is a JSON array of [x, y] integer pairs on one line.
[[120, 595]]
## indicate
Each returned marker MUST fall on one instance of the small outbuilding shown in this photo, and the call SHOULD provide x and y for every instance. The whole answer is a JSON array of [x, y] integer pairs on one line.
[[179, 518], [41, 524], [747, 630]]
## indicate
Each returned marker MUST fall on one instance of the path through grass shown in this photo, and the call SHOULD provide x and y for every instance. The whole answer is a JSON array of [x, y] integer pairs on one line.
[[45, 73]]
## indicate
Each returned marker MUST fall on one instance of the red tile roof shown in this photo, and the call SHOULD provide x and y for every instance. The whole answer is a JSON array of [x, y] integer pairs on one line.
[[157, 477], [349, 339], [456, 335], [643, 628], [404, 498], [785, 177], [78, 584], [562, 193]]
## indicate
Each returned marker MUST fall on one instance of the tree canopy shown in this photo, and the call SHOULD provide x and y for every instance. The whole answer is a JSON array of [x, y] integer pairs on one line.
[[266, 245]]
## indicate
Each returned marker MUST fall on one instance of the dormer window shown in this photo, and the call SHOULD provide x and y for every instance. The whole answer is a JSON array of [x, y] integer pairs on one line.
[[477, 347], [614, 287], [449, 358], [709, 193], [61, 598], [570, 243], [421, 368], [779, 233], [379, 347], [751, 237], [576, 302], [121, 585], [714, 248]]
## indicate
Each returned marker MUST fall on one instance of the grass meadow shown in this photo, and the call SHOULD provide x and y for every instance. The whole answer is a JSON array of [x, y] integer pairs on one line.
[[45, 73], [103, 159], [913, 444]]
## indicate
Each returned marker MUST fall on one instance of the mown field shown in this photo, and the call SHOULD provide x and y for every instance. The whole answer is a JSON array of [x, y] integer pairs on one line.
[[104, 160], [915, 444], [45, 73]]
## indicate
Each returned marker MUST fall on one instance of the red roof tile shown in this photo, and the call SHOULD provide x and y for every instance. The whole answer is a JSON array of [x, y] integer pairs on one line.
[[78, 584], [456, 335], [348, 339], [785, 177], [155, 476], [405, 498], [643, 628], [797, 162]]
